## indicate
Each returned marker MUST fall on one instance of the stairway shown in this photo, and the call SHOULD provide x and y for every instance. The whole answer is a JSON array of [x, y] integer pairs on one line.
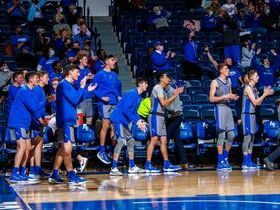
[[111, 46]]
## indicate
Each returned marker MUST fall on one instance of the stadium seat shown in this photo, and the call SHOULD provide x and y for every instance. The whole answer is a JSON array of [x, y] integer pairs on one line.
[[200, 98]]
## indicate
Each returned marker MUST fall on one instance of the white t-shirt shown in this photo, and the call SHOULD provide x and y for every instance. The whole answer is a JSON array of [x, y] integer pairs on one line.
[[230, 8]]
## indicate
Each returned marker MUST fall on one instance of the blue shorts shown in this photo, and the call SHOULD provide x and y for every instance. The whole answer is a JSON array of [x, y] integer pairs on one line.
[[249, 123], [36, 131], [122, 132], [66, 134], [105, 110], [19, 133], [157, 125]]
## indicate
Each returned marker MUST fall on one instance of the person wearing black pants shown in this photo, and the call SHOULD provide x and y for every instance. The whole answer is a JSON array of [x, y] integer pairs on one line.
[[175, 117], [269, 161]]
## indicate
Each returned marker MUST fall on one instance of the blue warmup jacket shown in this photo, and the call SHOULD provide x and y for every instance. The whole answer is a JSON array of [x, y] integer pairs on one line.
[[24, 108], [67, 99], [126, 110], [83, 72], [190, 52], [13, 90], [108, 85]]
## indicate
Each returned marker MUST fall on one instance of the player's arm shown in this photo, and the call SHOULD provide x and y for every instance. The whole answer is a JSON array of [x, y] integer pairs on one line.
[[256, 102]]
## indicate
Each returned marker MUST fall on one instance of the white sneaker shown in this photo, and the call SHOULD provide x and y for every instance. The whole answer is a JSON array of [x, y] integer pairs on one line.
[[83, 164], [115, 172], [136, 170]]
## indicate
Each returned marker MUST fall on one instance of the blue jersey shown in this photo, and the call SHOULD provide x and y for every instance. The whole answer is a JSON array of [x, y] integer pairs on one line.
[[99, 65], [83, 73], [47, 63], [267, 75], [67, 99], [234, 76], [24, 108], [108, 85], [126, 110], [13, 90]]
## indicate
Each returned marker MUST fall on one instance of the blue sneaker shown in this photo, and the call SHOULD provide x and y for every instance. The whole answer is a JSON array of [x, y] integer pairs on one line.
[[246, 166], [254, 166], [75, 180], [151, 169], [42, 174], [55, 178], [221, 166], [227, 165], [102, 156], [17, 178], [172, 168], [32, 179]]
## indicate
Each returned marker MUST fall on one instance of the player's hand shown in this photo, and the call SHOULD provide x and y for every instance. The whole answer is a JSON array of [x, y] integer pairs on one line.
[[83, 82], [258, 51], [119, 98], [268, 91], [105, 99], [273, 52], [92, 87], [142, 125], [178, 91]]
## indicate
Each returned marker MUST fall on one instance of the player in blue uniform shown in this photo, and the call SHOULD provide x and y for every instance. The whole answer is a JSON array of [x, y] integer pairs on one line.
[[123, 117], [108, 93], [24, 108], [37, 130], [67, 99]]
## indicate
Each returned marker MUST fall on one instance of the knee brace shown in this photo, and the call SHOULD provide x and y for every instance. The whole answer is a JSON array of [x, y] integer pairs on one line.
[[230, 137], [119, 146], [130, 145], [246, 143], [221, 138]]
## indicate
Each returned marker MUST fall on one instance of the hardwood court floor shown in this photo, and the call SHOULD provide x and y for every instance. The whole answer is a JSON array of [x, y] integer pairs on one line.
[[101, 187]]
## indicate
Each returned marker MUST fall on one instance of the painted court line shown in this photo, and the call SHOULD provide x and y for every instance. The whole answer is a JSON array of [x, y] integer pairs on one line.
[[207, 201]]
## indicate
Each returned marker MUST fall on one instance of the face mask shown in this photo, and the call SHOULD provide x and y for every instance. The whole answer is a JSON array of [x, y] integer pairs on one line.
[[76, 49], [158, 12], [211, 13], [60, 10], [75, 11], [51, 53], [267, 11], [6, 69]]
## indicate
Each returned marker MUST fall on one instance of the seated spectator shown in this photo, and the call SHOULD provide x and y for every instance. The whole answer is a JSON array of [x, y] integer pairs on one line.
[[60, 23], [45, 63], [63, 43], [20, 41], [228, 27], [99, 64], [230, 8], [209, 21], [215, 6], [41, 41], [161, 61], [266, 71], [57, 71], [72, 14], [5, 80], [72, 54], [138, 4], [76, 27], [16, 12], [159, 17], [35, 16], [269, 18], [83, 35], [190, 58], [189, 25]]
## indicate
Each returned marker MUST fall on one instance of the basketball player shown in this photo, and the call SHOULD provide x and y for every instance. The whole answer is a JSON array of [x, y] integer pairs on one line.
[[221, 95], [249, 103]]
